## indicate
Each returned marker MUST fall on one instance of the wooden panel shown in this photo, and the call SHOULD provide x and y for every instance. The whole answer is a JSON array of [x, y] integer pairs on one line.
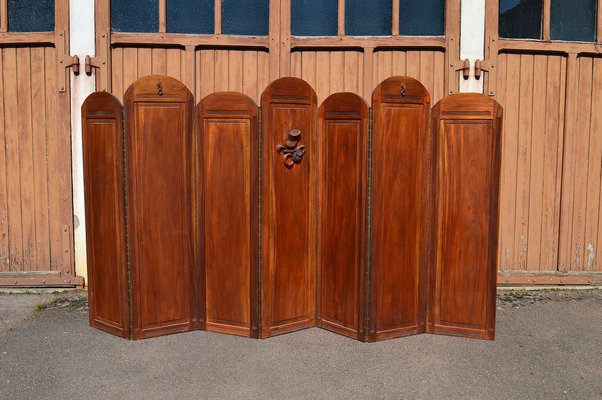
[[343, 191], [228, 144], [245, 71], [580, 236], [288, 207], [159, 160], [36, 218], [329, 71], [103, 146], [532, 90], [400, 148], [466, 138], [131, 63]]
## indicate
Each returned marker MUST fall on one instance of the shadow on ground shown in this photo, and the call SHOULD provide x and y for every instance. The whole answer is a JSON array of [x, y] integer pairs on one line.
[[548, 346]]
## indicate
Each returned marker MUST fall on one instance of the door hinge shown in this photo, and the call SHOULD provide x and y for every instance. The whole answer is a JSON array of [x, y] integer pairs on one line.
[[487, 66], [65, 61]]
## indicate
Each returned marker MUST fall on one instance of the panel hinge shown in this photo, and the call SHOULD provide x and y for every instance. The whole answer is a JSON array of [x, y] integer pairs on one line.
[[487, 66], [65, 61]]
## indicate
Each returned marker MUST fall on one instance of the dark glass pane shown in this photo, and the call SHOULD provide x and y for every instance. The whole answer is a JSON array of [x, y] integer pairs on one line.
[[135, 15], [422, 17], [573, 20], [368, 18], [314, 17], [520, 19], [246, 17], [190, 16], [30, 15]]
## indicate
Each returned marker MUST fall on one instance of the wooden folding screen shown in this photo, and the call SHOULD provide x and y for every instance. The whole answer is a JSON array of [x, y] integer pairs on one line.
[[102, 117], [466, 134], [164, 280], [342, 206], [289, 119], [399, 209], [228, 204]]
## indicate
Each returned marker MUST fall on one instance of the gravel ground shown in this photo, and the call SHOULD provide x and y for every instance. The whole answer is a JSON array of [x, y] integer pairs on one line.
[[548, 346]]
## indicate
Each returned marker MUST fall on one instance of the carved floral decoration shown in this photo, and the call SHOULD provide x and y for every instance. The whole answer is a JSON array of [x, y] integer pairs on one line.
[[291, 153]]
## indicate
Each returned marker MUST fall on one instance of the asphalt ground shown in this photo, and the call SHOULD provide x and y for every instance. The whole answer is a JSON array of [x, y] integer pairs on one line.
[[548, 346]]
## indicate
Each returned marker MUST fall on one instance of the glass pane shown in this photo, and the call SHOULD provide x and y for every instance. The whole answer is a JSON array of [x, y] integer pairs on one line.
[[422, 17], [363, 18], [190, 16], [30, 15], [520, 19], [135, 15], [573, 20], [246, 17], [314, 17]]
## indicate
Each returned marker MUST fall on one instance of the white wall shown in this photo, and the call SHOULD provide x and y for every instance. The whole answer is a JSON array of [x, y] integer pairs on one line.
[[472, 41]]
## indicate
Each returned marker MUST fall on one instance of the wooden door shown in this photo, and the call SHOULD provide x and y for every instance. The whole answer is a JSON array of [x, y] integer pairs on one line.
[[159, 154], [289, 116], [108, 286], [399, 210], [228, 209], [36, 214], [465, 214], [342, 207]]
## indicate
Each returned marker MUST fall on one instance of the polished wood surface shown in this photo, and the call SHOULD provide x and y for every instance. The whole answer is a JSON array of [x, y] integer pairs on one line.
[[228, 211], [289, 112], [399, 209], [104, 190], [343, 193], [164, 280], [467, 137]]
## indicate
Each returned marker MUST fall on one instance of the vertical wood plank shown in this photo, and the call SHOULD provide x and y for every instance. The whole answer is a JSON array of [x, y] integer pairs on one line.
[[322, 75], [4, 231], [144, 62], [207, 67], [221, 70], [395, 18], [426, 69], [130, 67], [413, 64], [40, 211], [249, 74], [438, 76], [218, 16], [351, 72], [235, 70], [341, 17], [159, 61], [337, 72], [117, 72], [308, 67], [162, 16], [173, 65], [398, 67], [26, 166]]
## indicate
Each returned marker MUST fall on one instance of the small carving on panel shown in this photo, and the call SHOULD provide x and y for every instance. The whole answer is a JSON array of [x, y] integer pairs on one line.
[[402, 89], [291, 153], [159, 88]]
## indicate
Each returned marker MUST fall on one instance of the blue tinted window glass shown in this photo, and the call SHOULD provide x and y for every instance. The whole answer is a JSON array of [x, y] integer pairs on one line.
[[422, 17], [314, 17], [520, 19], [190, 16], [30, 15], [135, 15], [368, 18], [573, 20], [246, 17]]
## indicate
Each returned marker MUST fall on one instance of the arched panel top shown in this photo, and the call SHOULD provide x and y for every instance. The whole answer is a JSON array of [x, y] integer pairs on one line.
[[289, 90], [401, 89], [233, 104], [101, 105], [159, 88], [344, 106], [468, 106]]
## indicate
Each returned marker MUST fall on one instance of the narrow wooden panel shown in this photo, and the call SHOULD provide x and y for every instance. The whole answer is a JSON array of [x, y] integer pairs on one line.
[[103, 145], [466, 138], [343, 191], [159, 158], [288, 207], [4, 232], [228, 191], [400, 157]]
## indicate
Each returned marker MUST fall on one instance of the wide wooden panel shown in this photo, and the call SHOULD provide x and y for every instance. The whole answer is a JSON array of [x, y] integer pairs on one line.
[[289, 115], [102, 117], [159, 161], [36, 213], [466, 135], [400, 157], [532, 90], [343, 191], [228, 154]]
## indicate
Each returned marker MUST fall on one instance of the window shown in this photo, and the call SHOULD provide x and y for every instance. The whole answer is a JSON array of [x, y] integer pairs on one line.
[[573, 20], [135, 15], [314, 17], [422, 17], [246, 17], [520, 19], [190, 16], [368, 18], [30, 15]]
